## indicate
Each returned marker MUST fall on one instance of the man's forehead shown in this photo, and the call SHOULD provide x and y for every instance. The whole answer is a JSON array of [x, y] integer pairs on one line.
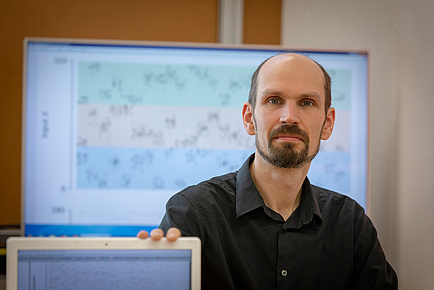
[[296, 66]]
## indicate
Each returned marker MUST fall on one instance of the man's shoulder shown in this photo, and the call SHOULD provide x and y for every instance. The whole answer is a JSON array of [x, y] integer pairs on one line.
[[324, 193], [335, 201], [219, 186]]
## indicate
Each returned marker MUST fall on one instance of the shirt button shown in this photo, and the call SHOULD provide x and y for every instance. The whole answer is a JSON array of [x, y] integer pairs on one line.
[[284, 273]]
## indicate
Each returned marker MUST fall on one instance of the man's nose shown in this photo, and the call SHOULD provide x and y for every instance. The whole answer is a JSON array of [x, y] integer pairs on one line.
[[289, 114]]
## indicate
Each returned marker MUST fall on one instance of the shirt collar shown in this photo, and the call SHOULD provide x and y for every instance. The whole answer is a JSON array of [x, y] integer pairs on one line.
[[248, 198], [307, 210]]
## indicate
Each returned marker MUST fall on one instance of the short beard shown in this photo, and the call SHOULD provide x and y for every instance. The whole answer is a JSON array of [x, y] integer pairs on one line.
[[286, 156]]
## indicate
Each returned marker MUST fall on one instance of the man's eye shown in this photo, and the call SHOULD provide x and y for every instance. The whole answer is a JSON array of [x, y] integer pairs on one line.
[[307, 103], [274, 101]]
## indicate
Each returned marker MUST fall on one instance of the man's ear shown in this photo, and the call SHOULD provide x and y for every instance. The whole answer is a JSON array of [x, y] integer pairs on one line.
[[249, 124], [329, 123]]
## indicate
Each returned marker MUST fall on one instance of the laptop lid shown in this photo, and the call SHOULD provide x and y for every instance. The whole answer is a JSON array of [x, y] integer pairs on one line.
[[102, 263]]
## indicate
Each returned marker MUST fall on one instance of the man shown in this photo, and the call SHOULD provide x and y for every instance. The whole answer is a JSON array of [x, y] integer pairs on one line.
[[266, 226]]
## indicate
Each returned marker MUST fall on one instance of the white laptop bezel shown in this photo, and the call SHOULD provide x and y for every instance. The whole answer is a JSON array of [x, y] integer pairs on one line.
[[14, 244]]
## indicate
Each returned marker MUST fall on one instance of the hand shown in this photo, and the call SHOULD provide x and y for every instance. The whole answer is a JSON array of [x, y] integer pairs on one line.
[[156, 234]]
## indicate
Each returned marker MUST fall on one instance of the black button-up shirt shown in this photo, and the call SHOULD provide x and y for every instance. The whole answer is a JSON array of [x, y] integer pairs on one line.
[[327, 243]]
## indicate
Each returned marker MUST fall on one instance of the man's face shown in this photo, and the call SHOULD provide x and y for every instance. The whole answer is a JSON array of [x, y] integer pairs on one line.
[[289, 119]]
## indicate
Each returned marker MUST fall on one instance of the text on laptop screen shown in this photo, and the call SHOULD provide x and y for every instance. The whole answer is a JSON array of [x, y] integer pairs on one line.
[[104, 269]]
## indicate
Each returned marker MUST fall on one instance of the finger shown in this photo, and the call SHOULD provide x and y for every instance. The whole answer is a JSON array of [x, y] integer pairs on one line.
[[143, 235], [173, 234], [157, 234]]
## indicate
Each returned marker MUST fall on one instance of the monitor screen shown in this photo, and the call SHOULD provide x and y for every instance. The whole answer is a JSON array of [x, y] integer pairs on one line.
[[112, 129]]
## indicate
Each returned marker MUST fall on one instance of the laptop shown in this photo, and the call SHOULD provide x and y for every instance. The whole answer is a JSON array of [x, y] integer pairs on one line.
[[102, 263]]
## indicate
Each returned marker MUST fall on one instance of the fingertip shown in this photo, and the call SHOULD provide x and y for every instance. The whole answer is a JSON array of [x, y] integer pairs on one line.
[[143, 234], [173, 234], [157, 234]]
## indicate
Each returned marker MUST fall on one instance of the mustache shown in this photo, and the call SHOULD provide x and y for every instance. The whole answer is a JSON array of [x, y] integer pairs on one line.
[[290, 130]]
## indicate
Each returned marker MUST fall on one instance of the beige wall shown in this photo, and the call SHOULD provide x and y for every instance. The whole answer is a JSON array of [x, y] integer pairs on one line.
[[415, 62], [399, 35]]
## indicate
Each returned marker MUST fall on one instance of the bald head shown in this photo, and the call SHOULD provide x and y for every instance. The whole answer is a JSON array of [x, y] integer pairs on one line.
[[290, 59]]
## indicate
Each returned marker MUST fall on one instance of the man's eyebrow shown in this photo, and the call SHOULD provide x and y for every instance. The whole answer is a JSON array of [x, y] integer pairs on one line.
[[273, 92], [268, 92], [311, 95]]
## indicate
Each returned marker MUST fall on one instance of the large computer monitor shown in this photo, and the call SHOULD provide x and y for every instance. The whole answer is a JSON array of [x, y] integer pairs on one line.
[[112, 129]]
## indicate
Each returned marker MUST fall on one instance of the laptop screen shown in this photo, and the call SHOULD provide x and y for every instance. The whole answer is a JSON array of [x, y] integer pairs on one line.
[[104, 269]]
